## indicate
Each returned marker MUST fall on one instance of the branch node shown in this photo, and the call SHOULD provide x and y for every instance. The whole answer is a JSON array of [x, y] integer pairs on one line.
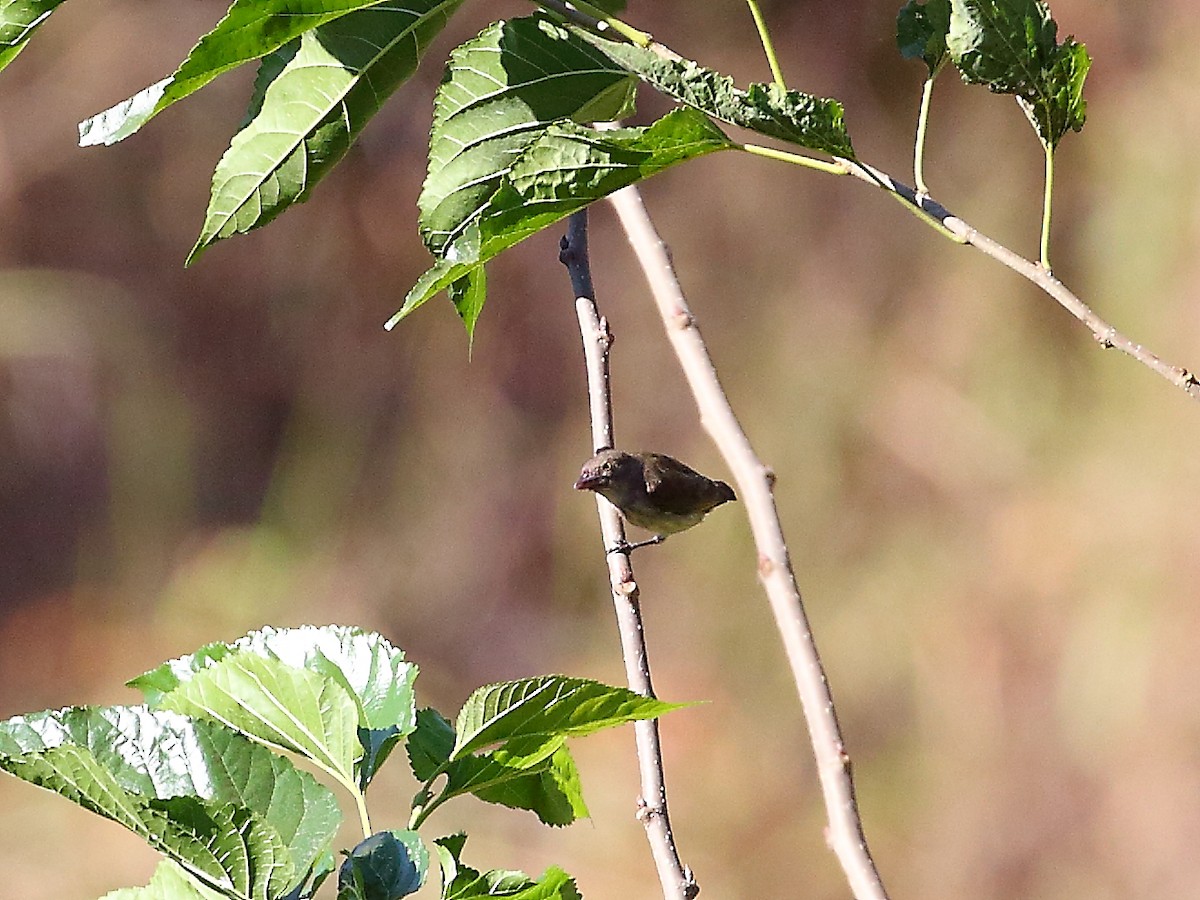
[[766, 566], [646, 813], [771, 477], [683, 319]]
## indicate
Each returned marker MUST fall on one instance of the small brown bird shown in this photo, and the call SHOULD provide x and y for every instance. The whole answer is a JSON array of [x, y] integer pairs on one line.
[[652, 491]]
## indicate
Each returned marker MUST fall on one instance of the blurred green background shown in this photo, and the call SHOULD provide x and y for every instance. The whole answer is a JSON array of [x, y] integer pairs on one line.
[[992, 520]]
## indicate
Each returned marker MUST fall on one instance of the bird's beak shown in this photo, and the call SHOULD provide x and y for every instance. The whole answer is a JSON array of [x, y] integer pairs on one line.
[[588, 482]]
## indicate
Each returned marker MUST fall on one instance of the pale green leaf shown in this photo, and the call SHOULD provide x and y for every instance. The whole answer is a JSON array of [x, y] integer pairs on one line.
[[235, 815], [169, 882], [280, 705]]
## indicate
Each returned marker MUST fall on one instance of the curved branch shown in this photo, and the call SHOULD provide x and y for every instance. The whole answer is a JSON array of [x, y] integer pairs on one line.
[[755, 484], [676, 879]]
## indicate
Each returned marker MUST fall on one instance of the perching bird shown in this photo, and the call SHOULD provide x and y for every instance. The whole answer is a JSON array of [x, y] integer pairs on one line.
[[652, 491]]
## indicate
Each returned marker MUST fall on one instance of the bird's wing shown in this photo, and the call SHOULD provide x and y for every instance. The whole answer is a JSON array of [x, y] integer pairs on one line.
[[676, 488]]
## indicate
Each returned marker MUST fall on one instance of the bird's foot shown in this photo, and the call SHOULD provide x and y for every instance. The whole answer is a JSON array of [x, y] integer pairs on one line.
[[626, 547]]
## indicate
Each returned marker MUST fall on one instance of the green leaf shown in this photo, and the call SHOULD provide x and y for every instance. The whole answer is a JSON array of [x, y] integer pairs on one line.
[[768, 109], [250, 30], [500, 90], [921, 32], [386, 866], [18, 20], [566, 168], [372, 671], [430, 745], [169, 882], [312, 98], [553, 791], [461, 882], [549, 706], [1060, 107], [468, 295], [280, 705], [240, 818], [1011, 46]]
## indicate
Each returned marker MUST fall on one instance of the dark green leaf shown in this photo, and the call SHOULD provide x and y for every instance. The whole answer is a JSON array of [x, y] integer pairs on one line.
[[386, 866], [312, 98], [768, 109], [500, 91], [18, 20], [430, 745], [235, 815], [921, 32], [552, 790], [566, 168], [1011, 46]]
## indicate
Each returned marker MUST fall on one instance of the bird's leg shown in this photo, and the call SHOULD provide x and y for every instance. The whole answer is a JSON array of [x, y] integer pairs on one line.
[[626, 547]]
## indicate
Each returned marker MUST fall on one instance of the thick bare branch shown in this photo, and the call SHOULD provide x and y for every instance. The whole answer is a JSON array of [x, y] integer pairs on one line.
[[756, 483]]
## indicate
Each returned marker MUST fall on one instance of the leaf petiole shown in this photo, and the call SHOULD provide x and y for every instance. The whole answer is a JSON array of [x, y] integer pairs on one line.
[[602, 21], [831, 168], [768, 47], [922, 125], [1046, 205]]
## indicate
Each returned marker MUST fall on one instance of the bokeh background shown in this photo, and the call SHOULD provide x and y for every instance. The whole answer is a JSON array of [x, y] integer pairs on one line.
[[993, 521]]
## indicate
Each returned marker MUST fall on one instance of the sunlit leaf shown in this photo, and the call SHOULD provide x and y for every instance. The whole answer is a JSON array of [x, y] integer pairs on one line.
[[235, 815], [549, 706], [312, 99], [250, 30], [18, 20]]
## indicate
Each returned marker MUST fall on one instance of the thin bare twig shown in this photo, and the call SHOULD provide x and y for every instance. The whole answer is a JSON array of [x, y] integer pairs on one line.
[[1104, 333], [676, 879], [755, 483]]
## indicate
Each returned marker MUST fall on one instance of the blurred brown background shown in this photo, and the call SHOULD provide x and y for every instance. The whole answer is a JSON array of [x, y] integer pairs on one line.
[[993, 521]]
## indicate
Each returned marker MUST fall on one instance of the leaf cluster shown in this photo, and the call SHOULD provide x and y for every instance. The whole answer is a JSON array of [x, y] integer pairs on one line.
[[203, 772], [1010, 47]]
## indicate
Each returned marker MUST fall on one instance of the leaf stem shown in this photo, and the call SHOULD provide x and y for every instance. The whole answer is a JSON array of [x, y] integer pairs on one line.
[[768, 47], [596, 19], [922, 123], [364, 820], [830, 168], [1046, 204]]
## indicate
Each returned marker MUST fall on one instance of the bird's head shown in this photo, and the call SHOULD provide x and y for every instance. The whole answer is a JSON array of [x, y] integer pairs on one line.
[[611, 473]]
